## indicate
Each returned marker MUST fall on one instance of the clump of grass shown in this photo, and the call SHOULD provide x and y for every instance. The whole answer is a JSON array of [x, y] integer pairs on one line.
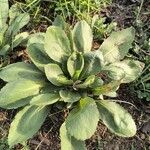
[[43, 11], [78, 9], [142, 50]]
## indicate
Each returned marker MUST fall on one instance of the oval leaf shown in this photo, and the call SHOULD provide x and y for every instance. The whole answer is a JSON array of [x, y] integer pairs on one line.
[[14, 11], [75, 65], [36, 51], [114, 72], [116, 118], [68, 142], [20, 70], [82, 121], [82, 36], [55, 75], [26, 123], [45, 99], [132, 69], [60, 22], [16, 24], [57, 45], [116, 46], [23, 89], [93, 63], [107, 88], [69, 96]]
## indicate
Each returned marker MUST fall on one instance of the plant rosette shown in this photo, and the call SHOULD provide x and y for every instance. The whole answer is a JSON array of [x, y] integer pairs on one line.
[[66, 69]]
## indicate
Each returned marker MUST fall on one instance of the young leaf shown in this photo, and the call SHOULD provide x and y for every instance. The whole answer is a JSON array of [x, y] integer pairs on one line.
[[26, 123], [132, 69], [17, 90], [59, 22], [55, 75], [36, 51], [116, 46], [13, 12], [45, 99], [3, 13], [93, 62], [82, 121], [82, 37], [87, 83], [68, 142], [75, 65], [20, 39], [107, 88], [20, 70], [116, 118], [57, 45], [69, 96], [19, 22]]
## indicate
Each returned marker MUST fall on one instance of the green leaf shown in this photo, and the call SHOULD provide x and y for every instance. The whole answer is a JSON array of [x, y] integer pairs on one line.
[[107, 88], [132, 69], [55, 75], [69, 96], [36, 51], [57, 45], [4, 50], [87, 83], [20, 103], [4, 7], [13, 12], [59, 22], [111, 94], [82, 121], [19, 22], [75, 65], [45, 99], [17, 90], [116, 46], [20, 39], [20, 70], [26, 123], [37, 38], [82, 37], [116, 118], [114, 72], [2, 32], [97, 82], [68, 142], [93, 62]]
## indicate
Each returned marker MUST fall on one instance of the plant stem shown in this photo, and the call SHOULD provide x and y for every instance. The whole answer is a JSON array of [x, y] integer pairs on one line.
[[137, 17]]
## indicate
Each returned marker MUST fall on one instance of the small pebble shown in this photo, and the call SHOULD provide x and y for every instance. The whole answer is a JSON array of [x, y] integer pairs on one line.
[[142, 136]]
